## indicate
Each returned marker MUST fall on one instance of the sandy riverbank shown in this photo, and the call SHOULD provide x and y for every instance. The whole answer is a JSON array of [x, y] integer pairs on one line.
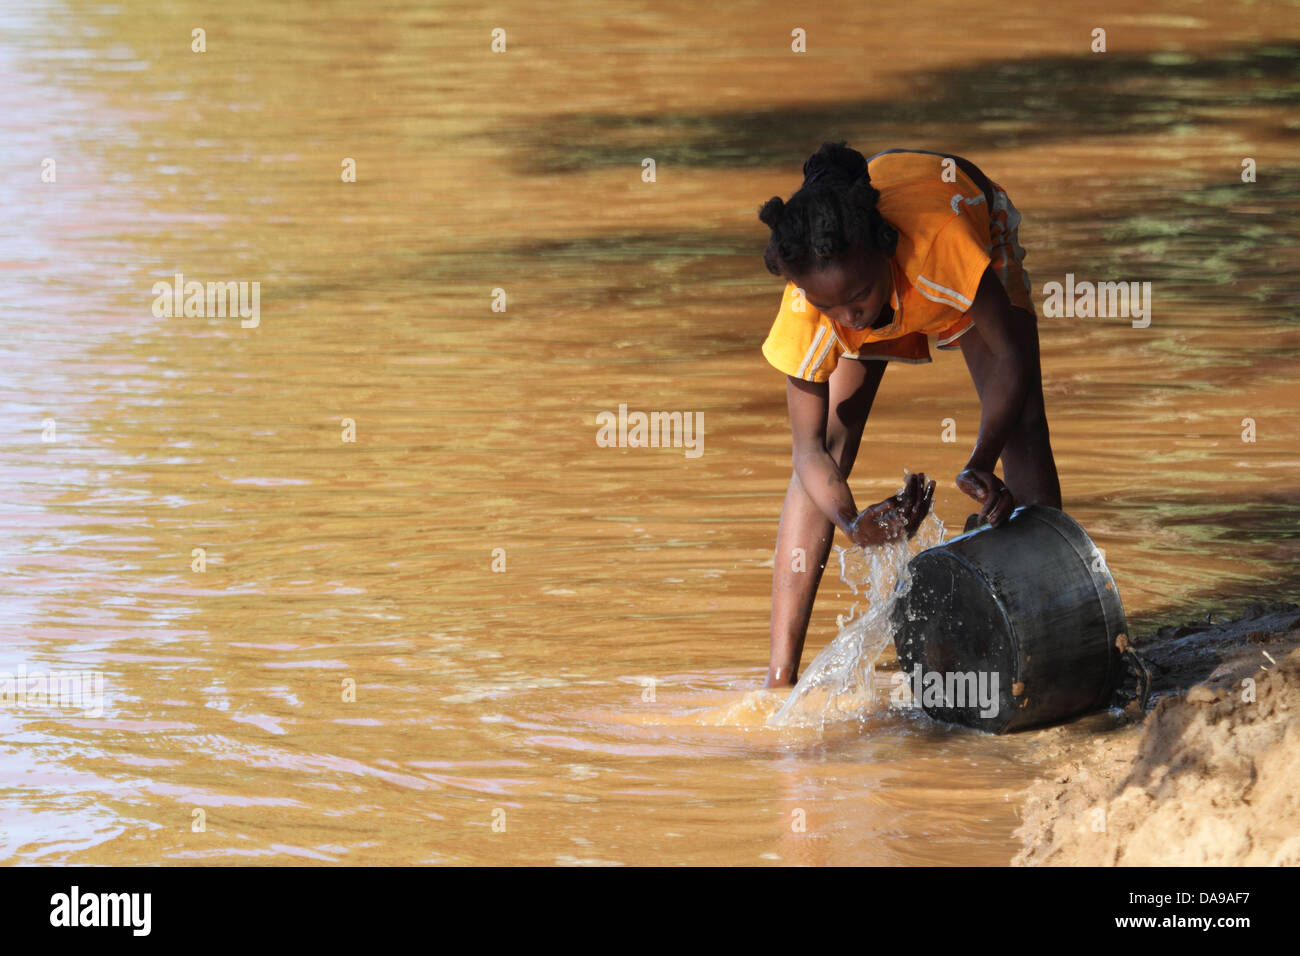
[[1207, 775]]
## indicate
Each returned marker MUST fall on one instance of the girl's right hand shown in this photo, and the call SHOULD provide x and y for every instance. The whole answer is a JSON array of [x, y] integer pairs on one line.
[[896, 516]]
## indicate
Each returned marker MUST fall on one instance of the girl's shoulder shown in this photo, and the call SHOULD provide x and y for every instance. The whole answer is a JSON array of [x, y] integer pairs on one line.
[[944, 234], [929, 200]]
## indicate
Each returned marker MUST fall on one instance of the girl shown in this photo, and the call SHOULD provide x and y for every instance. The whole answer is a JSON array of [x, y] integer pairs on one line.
[[877, 255]]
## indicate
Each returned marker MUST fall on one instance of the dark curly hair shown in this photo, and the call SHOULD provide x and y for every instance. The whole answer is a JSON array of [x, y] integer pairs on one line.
[[835, 206]]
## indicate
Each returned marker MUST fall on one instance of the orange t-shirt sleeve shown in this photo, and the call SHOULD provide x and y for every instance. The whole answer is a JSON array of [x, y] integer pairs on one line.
[[956, 261], [801, 343]]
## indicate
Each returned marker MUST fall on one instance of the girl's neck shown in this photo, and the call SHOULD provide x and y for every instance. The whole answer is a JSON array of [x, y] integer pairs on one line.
[[886, 316]]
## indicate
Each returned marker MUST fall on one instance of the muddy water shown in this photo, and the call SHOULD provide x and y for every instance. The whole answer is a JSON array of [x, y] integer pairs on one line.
[[564, 709]]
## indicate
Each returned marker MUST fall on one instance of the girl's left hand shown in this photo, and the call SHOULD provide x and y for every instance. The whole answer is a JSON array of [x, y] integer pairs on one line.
[[988, 489]]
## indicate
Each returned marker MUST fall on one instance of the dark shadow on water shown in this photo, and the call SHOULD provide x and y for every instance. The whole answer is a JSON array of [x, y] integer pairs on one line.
[[970, 111], [1190, 235]]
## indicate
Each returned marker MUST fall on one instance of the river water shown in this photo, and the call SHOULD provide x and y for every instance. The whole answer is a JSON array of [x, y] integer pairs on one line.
[[474, 635]]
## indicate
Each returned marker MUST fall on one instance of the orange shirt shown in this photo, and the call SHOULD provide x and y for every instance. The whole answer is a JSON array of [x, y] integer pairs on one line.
[[943, 249]]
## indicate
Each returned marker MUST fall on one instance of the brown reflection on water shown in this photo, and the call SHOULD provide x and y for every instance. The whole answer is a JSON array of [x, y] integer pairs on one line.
[[523, 691]]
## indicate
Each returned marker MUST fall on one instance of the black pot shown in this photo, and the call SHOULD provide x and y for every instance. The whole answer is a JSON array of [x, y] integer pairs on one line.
[[1008, 628]]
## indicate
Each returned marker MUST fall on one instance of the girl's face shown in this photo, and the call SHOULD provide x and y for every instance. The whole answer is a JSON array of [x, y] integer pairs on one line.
[[852, 290]]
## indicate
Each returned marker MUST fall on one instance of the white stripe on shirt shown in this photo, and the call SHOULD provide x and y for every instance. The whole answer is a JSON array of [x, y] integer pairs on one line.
[[812, 349], [922, 282]]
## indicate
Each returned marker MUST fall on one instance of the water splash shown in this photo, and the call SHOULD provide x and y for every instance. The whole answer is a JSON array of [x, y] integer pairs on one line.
[[838, 685], [753, 711]]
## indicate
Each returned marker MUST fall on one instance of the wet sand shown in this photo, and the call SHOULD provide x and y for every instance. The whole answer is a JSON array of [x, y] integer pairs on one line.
[[1206, 776]]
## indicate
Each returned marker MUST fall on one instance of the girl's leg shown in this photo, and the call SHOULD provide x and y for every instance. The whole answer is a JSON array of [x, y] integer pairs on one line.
[[803, 540], [1028, 467]]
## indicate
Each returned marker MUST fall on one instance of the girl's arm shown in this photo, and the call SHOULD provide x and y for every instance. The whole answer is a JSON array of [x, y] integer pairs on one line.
[[817, 471], [1008, 335], [825, 484]]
